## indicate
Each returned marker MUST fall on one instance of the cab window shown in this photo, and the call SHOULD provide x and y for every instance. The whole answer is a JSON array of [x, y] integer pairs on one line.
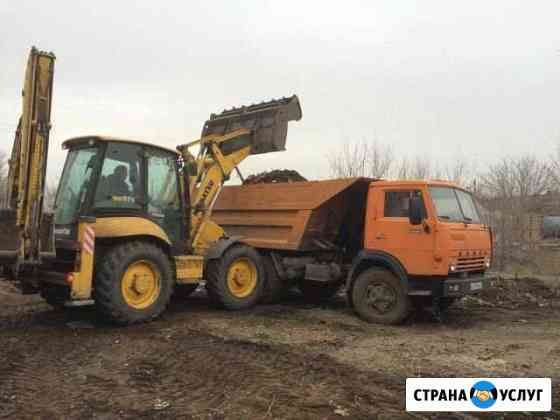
[[162, 183], [163, 202], [120, 181], [397, 203]]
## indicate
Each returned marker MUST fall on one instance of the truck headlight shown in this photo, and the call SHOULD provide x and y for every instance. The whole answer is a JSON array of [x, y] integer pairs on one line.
[[452, 268]]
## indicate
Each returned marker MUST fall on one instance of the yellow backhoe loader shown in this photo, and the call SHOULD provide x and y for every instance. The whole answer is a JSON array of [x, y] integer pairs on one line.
[[132, 221]]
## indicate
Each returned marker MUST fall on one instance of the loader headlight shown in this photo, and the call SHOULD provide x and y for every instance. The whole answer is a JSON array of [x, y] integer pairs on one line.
[[452, 268]]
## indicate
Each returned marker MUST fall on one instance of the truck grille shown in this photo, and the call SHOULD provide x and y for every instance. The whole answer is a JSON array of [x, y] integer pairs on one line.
[[470, 263]]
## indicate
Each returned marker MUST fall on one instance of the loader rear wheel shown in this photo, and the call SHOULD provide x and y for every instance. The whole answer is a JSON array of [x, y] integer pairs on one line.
[[235, 280], [133, 284], [378, 296], [316, 291]]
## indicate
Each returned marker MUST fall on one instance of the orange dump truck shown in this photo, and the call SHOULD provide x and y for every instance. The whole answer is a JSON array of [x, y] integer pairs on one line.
[[393, 244]]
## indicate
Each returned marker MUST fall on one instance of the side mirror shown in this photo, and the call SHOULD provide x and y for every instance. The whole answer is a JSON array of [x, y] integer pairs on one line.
[[415, 214]]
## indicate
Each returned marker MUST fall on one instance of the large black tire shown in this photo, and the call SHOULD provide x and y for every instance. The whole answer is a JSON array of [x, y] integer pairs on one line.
[[274, 287], [109, 295], [378, 296], [316, 291], [55, 296], [220, 290]]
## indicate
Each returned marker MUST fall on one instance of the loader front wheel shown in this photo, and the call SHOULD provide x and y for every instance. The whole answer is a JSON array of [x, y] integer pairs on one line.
[[236, 279], [134, 283]]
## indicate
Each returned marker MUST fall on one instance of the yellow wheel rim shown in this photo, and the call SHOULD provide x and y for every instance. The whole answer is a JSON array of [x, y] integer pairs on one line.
[[141, 284], [242, 277]]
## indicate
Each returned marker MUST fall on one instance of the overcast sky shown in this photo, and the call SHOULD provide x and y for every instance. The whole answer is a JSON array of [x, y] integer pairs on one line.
[[431, 78]]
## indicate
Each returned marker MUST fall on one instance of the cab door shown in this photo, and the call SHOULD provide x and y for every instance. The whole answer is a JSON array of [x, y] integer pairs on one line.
[[163, 204], [389, 229]]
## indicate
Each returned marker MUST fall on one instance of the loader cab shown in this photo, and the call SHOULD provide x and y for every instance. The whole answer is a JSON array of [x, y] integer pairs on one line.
[[108, 177]]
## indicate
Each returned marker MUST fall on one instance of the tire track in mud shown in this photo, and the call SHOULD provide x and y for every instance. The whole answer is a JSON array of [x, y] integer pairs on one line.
[[152, 371]]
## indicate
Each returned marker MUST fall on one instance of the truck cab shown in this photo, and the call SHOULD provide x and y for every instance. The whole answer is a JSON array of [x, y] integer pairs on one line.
[[430, 235]]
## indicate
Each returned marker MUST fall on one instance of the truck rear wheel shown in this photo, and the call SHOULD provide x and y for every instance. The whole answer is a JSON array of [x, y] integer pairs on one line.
[[134, 283], [378, 296], [236, 279]]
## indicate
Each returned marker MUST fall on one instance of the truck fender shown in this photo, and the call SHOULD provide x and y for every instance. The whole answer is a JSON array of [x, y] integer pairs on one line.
[[218, 248], [366, 259]]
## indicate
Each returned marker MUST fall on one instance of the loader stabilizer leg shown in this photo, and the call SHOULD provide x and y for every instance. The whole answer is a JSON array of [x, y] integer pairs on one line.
[[81, 280]]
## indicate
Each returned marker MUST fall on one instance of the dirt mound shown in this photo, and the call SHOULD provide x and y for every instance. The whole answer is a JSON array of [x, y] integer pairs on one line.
[[277, 175], [521, 292]]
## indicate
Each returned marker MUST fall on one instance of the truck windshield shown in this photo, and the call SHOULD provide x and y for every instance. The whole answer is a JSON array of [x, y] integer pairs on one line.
[[454, 205], [73, 185]]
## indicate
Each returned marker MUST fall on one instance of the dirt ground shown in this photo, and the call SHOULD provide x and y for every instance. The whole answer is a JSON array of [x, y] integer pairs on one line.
[[288, 361]]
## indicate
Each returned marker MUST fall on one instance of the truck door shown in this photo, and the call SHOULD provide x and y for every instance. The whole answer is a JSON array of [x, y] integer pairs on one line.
[[388, 229]]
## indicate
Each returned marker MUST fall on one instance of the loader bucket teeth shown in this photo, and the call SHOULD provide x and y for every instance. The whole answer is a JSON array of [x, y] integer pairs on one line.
[[268, 122]]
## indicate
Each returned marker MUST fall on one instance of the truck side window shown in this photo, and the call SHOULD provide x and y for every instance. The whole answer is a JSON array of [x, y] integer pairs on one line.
[[397, 203]]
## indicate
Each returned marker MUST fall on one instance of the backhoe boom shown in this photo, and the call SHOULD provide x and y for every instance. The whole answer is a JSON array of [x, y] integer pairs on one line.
[[28, 163]]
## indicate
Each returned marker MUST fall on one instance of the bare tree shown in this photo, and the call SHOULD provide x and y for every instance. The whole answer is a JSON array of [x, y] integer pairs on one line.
[[460, 171], [510, 189], [362, 158], [421, 167], [555, 169]]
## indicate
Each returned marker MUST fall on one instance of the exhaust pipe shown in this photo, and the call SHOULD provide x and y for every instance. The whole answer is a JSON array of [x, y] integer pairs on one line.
[[268, 122]]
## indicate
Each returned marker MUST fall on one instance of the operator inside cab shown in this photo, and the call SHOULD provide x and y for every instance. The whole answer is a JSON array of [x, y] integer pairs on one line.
[[117, 181]]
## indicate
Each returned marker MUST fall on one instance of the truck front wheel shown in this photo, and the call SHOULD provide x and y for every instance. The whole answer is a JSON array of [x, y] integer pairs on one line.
[[378, 297], [236, 279], [134, 282]]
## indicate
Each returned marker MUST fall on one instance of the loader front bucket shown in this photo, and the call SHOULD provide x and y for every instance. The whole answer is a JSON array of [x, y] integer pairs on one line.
[[268, 122]]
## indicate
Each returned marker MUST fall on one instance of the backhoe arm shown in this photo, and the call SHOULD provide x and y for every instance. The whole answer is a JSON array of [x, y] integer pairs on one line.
[[28, 162]]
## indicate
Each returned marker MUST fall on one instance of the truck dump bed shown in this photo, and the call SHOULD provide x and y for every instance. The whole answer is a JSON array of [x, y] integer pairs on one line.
[[299, 216]]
